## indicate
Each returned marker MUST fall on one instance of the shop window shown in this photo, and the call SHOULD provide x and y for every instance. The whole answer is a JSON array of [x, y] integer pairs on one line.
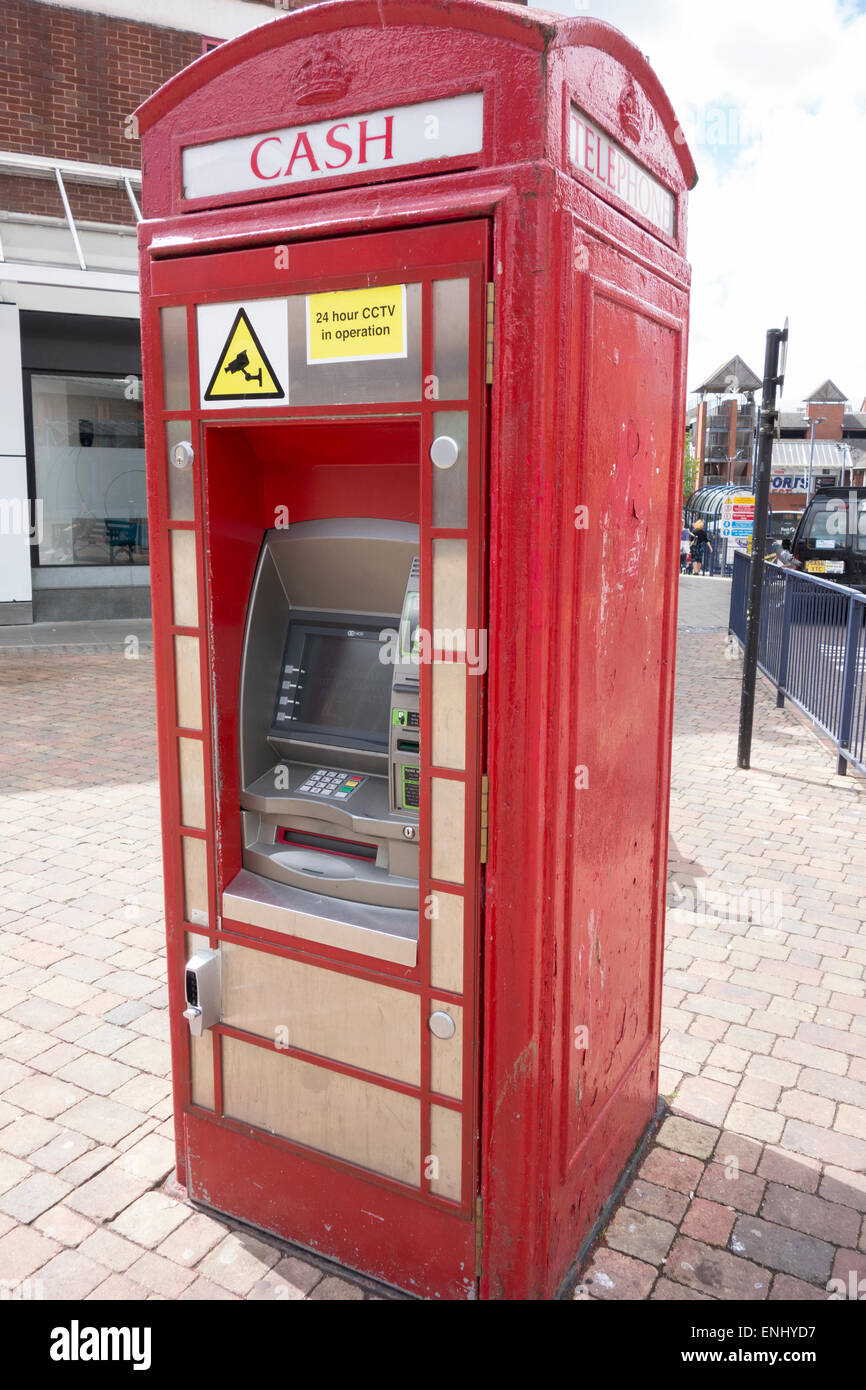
[[88, 448]]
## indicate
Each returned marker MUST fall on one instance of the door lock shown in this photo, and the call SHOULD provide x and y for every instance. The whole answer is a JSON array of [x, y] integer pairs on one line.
[[202, 991]]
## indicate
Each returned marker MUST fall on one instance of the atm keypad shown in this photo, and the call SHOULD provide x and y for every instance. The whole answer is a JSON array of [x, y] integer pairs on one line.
[[335, 786]]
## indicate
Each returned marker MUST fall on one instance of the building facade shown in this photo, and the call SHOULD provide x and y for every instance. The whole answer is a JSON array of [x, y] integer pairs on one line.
[[73, 518], [825, 440]]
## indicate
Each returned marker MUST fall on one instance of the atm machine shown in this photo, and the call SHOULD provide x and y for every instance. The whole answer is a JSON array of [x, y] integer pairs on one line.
[[329, 730]]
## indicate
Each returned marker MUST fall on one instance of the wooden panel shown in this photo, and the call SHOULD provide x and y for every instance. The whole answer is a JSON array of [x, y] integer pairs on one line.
[[201, 1069], [448, 799], [195, 880], [175, 357], [446, 943], [191, 760], [446, 1055], [449, 715], [181, 481], [354, 1120], [351, 1020], [183, 579], [188, 678], [446, 1134], [449, 586]]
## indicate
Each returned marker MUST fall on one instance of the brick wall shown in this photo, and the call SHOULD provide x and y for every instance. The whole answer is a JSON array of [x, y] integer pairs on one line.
[[68, 80], [89, 203], [833, 416]]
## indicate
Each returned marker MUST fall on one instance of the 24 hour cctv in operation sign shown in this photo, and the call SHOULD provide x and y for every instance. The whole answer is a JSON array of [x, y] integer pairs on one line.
[[608, 164], [369, 142]]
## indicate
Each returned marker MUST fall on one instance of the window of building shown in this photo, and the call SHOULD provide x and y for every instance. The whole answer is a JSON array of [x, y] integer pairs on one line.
[[88, 449]]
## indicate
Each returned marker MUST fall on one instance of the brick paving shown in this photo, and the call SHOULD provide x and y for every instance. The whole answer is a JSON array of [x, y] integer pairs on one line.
[[86, 1137], [755, 1186]]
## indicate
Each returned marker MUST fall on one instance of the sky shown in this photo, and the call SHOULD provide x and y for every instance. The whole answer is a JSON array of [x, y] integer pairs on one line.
[[772, 97]]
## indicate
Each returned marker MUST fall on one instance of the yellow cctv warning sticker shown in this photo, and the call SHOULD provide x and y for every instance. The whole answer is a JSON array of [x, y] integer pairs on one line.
[[243, 370], [357, 325]]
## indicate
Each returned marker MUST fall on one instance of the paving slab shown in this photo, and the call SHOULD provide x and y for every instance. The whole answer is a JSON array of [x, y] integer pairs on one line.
[[758, 1175]]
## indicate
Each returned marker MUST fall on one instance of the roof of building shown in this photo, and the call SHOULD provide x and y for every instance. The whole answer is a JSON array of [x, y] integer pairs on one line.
[[733, 377], [792, 420], [795, 422], [827, 393], [792, 455]]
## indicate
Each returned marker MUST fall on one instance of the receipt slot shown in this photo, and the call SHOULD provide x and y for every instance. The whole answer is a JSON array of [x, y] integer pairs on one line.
[[414, 307]]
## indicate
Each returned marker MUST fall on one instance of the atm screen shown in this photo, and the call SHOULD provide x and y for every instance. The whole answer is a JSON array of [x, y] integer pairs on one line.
[[333, 685]]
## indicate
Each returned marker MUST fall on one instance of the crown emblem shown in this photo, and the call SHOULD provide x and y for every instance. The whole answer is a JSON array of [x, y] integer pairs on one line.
[[631, 115], [324, 76]]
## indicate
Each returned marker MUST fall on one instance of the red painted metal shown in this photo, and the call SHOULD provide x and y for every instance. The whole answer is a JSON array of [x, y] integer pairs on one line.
[[585, 411]]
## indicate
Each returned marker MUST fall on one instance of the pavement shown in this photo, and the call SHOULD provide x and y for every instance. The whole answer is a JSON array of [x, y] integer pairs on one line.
[[104, 635], [755, 1185]]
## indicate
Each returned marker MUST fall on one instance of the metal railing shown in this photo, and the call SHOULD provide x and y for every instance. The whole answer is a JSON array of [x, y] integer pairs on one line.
[[812, 646], [64, 171]]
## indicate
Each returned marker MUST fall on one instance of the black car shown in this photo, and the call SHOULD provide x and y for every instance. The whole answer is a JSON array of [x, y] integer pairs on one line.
[[830, 540]]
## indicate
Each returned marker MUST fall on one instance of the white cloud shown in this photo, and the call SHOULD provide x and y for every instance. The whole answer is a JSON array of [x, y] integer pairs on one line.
[[777, 222]]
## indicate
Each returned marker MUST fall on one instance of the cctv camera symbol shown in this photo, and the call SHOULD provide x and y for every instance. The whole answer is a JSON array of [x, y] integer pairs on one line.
[[240, 364]]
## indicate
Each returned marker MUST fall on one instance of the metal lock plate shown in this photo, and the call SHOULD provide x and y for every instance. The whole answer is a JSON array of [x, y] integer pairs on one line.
[[441, 1025]]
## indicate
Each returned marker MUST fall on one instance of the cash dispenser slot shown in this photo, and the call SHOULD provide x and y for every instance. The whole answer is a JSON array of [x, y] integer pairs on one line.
[[329, 738], [327, 844]]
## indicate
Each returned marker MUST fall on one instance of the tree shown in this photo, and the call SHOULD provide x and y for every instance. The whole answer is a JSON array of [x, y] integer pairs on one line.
[[690, 471]]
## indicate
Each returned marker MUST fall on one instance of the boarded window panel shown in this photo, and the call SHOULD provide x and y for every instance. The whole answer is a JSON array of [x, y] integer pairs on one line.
[[449, 715], [446, 1135], [195, 880], [448, 801], [192, 802], [175, 357], [181, 497], [446, 1054], [184, 588], [446, 943], [355, 1021], [200, 1048], [449, 591], [451, 339], [201, 1070], [188, 682], [450, 485], [355, 1120]]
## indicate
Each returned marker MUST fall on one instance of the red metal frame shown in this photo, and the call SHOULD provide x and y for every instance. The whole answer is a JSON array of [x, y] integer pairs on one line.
[[544, 1164], [459, 252]]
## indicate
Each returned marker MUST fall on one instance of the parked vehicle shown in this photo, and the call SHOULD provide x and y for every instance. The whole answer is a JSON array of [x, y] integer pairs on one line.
[[830, 540]]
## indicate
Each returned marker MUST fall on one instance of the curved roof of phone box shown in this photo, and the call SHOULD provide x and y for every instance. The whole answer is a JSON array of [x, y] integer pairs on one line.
[[537, 29]]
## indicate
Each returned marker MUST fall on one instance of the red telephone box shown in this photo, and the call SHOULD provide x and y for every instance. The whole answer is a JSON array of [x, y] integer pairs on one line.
[[414, 313]]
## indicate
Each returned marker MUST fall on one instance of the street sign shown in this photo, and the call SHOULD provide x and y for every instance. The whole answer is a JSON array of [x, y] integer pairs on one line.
[[738, 515]]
